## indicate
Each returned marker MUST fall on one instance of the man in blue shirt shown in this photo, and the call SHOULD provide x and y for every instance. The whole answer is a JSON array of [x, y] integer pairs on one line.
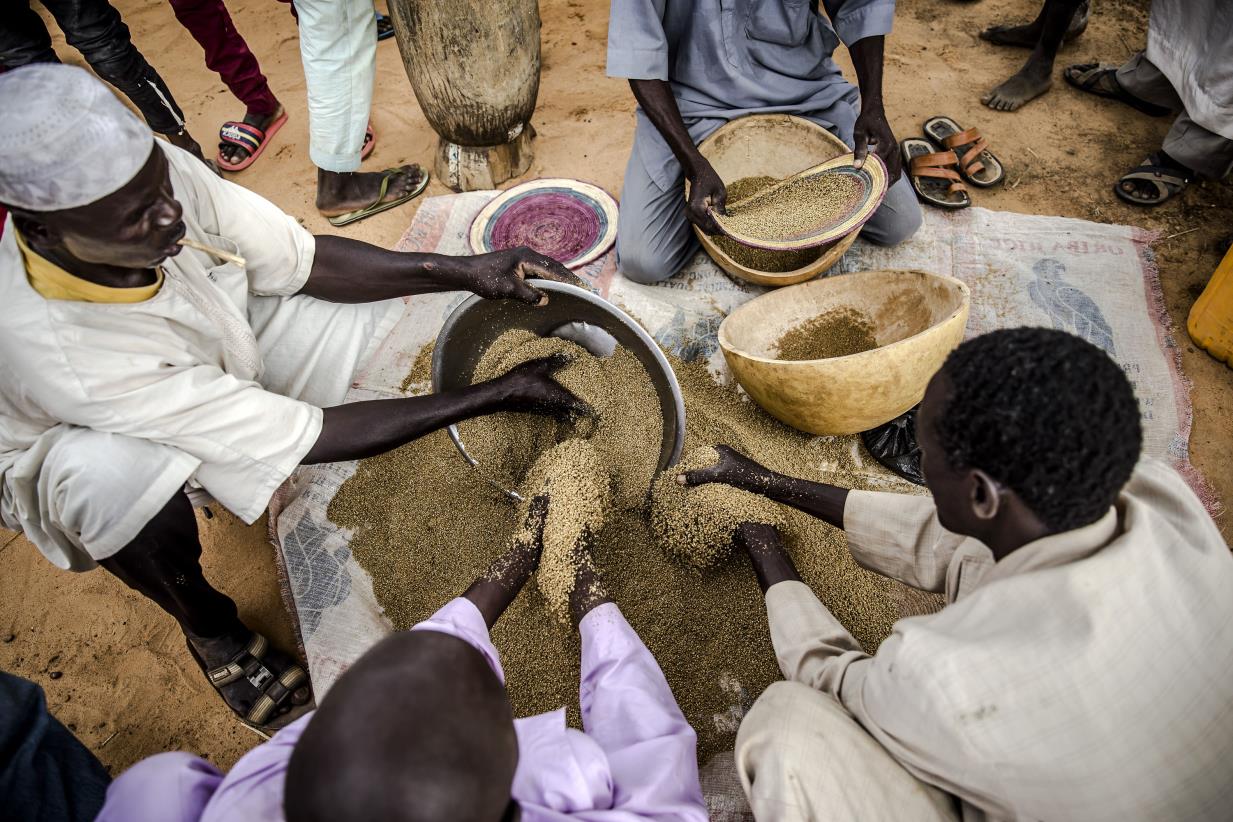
[[695, 64]]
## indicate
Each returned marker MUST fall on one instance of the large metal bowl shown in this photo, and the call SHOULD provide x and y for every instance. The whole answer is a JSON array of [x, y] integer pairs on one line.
[[572, 313]]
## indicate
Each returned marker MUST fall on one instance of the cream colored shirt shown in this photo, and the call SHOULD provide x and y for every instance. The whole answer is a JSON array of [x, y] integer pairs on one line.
[[181, 368], [1086, 676]]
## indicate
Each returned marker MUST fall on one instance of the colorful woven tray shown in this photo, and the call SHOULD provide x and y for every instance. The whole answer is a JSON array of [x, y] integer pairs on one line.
[[866, 186], [568, 220]]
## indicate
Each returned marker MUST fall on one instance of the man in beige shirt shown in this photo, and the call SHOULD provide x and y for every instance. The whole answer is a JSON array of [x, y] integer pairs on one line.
[[1083, 665]]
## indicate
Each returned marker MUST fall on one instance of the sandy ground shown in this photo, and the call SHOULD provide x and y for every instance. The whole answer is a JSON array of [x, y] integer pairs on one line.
[[115, 669]]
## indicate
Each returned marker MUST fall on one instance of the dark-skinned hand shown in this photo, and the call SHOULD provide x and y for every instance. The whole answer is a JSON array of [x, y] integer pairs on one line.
[[706, 192], [873, 132], [733, 469], [503, 275], [530, 388]]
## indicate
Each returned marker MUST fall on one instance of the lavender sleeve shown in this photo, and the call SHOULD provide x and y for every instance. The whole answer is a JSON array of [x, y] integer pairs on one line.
[[459, 617], [629, 710]]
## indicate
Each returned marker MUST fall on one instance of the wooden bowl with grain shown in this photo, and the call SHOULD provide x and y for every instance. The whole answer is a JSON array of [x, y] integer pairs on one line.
[[771, 145], [916, 320]]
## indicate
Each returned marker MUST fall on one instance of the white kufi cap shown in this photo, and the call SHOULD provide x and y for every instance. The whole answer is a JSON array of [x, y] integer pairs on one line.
[[65, 140]]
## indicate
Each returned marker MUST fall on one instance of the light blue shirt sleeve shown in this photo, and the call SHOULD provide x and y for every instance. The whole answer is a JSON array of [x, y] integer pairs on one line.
[[857, 19], [637, 44]]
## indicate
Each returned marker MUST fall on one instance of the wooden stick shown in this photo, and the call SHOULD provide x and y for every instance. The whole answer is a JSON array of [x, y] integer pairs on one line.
[[1179, 234], [217, 252]]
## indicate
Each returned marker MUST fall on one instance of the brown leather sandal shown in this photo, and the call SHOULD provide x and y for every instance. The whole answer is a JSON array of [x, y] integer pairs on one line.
[[934, 174], [976, 162]]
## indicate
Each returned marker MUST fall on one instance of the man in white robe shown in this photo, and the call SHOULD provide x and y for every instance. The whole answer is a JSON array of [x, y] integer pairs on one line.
[[132, 368]]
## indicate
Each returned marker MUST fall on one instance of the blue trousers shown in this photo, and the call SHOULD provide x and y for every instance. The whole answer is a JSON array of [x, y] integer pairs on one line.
[[46, 775]]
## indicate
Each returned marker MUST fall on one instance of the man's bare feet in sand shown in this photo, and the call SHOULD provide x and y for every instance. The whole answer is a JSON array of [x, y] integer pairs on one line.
[[341, 192], [1058, 20], [234, 154], [1027, 35], [1031, 81]]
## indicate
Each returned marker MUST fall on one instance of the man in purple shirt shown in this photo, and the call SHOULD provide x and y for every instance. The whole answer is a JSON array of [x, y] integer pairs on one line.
[[421, 728]]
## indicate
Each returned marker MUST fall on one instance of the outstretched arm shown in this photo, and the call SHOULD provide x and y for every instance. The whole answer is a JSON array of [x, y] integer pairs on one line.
[[706, 189], [364, 429], [815, 498], [350, 271]]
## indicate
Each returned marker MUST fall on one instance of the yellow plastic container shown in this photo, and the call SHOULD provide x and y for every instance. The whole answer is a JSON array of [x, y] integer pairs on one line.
[[1211, 319]]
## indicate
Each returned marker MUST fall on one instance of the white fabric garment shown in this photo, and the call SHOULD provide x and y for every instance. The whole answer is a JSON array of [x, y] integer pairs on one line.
[[221, 368], [1191, 41], [65, 139], [1085, 676], [338, 46]]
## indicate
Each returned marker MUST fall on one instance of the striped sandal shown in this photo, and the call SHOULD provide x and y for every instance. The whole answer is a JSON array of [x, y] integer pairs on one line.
[[933, 174], [248, 137], [275, 691]]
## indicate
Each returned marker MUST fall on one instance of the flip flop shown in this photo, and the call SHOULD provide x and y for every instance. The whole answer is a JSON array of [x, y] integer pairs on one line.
[[370, 142], [1088, 76], [976, 162], [376, 207], [1168, 181], [934, 174], [385, 28], [248, 137]]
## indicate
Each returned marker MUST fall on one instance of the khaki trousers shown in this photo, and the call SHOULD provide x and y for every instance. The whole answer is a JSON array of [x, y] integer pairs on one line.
[[801, 756]]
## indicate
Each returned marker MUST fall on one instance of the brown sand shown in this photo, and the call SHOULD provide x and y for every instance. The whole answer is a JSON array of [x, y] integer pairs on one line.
[[128, 687], [697, 523], [760, 258], [707, 631], [837, 333]]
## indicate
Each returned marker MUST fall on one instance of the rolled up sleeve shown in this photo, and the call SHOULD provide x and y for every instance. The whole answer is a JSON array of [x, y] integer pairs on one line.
[[637, 45], [899, 536], [857, 19], [278, 251]]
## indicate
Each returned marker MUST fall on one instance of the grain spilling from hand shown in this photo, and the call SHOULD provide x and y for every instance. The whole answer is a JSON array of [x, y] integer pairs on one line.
[[835, 333], [578, 488], [424, 526], [697, 523]]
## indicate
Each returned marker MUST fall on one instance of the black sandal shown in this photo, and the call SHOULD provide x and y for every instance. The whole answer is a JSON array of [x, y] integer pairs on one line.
[[1088, 76], [1168, 181], [275, 691]]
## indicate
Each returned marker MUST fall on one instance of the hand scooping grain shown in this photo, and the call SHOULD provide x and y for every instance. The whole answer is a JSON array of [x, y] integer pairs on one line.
[[625, 430], [697, 523], [579, 493]]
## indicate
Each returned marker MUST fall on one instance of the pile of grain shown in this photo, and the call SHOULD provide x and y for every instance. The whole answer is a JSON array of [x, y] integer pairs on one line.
[[835, 333], [578, 487], [425, 526], [801, 207], [627, 416], [697, 523], [760, 259]]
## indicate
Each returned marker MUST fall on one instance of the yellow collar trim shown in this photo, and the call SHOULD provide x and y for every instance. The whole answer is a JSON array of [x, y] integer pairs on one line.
[[54, 283]]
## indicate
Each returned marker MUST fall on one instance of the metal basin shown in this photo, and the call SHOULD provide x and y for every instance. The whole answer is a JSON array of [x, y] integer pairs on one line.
[[572, 313]]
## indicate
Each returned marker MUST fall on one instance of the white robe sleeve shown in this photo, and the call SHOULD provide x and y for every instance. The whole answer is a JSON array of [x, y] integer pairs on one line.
[[278, 250]]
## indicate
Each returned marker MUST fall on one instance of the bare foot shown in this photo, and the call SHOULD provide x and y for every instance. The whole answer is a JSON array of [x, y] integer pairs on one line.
[[1027, 35], [1023, 36], [234, 154], [341, 192], [1029, 83]]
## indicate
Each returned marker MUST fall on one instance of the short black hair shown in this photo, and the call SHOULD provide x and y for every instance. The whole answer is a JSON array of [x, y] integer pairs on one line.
[[1047, 414]]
